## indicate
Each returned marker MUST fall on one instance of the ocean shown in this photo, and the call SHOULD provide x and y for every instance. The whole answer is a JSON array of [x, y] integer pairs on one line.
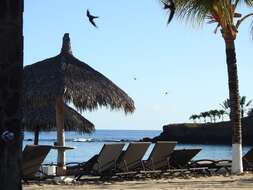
[[85, 146]]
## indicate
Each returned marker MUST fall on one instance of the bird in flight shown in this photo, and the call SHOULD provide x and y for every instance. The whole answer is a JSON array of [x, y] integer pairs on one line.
[[91, 18], [171, 7]]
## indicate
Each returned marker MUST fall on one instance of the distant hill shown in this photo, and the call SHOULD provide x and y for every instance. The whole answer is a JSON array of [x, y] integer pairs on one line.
[[211, 133]]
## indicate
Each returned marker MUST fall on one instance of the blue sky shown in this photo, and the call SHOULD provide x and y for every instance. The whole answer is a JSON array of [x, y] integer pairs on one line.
[[133, 41]]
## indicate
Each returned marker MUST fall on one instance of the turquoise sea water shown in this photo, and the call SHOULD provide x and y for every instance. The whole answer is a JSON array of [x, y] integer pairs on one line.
[[88, 145]]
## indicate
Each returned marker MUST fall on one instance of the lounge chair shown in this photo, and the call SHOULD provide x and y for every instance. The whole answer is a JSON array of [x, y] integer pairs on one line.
[[179, 159], [32, 158], [248, 160], [218, 165], [130, 159], [101, 164], [159, 157], [180, 162]]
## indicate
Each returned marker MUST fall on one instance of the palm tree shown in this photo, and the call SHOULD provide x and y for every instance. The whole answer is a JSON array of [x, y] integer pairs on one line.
[[210, 116], [199, 118], [11, 64], [204, 115], [222, 113], [218, 114], [243, 105], [223, 13], [194, 117], [226, 106], [213, 113]]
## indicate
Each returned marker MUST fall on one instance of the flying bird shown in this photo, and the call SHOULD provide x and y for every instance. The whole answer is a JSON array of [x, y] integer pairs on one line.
[[171, 6], [91, 18]]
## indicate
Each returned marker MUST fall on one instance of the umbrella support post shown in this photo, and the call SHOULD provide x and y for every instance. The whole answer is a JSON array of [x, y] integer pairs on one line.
[[36, 136], [61, 169]]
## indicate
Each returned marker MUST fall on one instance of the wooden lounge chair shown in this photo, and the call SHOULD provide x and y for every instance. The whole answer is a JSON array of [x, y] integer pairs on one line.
[[32, 158], [159, 157], [130, 159], [179, 159], [103, 163]]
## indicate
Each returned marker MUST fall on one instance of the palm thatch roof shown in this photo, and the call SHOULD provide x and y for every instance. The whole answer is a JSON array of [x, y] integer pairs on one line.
[[66, 76], [44, 119]]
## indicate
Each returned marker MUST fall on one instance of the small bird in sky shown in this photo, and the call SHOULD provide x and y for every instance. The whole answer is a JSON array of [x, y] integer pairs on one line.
[[91, 18], [166, 93], [135, 78], [171, 6]]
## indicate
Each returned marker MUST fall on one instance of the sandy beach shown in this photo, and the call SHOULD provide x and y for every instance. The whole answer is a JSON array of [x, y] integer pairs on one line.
[[234, 182]]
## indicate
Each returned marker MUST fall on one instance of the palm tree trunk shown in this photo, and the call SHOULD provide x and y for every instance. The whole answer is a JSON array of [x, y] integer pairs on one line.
[[234, 97], [242, 111], [60, 136], [11, 70]]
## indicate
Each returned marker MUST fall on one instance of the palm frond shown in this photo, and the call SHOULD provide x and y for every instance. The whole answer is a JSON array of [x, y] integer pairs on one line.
[[242, 100], [197, 12], [210, 19], [247, 2], [249, 102], [244, 18]]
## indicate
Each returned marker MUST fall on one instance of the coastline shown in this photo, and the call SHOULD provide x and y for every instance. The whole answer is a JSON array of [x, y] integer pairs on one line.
[[204, 133]]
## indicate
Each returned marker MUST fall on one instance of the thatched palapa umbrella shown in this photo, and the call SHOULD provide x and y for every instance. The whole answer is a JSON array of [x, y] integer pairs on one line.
[[43, 119], [64, 78]]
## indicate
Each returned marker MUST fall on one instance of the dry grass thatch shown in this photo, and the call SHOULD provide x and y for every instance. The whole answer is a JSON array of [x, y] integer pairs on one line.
[[44, 119], [64, 75]]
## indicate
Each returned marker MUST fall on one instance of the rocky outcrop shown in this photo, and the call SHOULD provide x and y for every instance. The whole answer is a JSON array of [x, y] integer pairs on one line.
[[211, 133]]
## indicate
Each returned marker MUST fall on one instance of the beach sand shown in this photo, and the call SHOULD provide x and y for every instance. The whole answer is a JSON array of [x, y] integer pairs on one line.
[[234, 182]]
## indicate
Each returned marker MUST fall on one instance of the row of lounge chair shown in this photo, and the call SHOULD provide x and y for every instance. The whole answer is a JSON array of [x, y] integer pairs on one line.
[[112, 160]]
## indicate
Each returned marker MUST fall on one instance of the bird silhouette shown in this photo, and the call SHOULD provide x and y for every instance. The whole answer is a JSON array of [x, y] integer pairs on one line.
[[171, 6], [91, 18]]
